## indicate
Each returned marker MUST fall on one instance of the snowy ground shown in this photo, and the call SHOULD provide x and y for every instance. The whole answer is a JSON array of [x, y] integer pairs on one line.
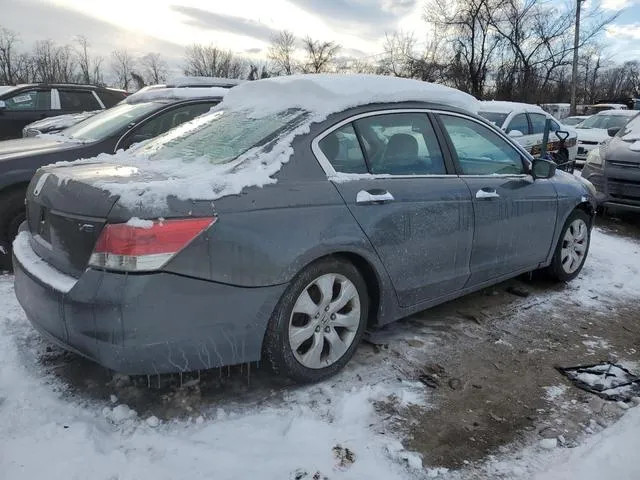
[[65, 418]]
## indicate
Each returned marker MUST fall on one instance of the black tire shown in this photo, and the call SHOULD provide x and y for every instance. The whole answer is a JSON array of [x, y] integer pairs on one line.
[[277, 351], [556, 270], [12, 214]]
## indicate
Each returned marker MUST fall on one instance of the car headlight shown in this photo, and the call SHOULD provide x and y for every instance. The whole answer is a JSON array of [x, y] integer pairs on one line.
[[595, 157]]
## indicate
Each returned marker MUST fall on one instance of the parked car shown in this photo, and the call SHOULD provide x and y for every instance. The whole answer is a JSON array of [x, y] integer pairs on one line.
[[603, 107], [526, 123], [28, 103], [137, 119], [56, 124], [613, 167], [299, 212], [575, 120], [594, 130], [60, 122]]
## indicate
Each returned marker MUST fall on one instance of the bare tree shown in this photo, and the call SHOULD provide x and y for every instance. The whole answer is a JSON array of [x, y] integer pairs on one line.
[[122, 64], [155, 69], [467, 24], [281, 51], [319, 55], [84, 62], [399, 53], [53, 63], [8, 56], [211, 61]]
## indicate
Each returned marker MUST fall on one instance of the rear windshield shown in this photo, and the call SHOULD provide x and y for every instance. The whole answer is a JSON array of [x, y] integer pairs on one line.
[[494, 117], [605, 121], [105, 124], [221, 136]]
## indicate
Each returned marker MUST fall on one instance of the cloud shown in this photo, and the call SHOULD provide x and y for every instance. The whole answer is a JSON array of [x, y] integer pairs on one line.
[[254, 51], [617, 4], [34, 20], [624, 32], [227, 23], [362, 17]]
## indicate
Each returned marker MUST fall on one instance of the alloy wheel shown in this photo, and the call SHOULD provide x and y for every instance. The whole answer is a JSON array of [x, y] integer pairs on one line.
[[324, 321], [574, 245]]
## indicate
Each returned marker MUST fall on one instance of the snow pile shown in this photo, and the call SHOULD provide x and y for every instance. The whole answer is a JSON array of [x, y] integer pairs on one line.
[[140, 223], [610, 272], [48, 433], [325, 94], [610, 454]]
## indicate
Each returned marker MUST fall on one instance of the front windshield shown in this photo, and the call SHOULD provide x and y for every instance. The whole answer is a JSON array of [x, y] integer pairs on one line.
[[572, 121], [630, 132], [605, 121], [104, 124], [495, 117], [221, 136]]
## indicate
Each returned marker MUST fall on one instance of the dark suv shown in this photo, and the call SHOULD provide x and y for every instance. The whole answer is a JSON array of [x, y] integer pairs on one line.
[[25, 104]]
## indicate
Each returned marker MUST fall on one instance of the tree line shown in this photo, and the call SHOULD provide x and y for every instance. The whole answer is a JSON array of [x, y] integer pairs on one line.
[[518, 50]]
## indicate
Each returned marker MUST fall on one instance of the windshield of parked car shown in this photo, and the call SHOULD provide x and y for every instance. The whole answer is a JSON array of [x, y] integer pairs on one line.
[[630, 131], [495, 117], [221, 136], [105, 124], [573, 121], [605, 121]]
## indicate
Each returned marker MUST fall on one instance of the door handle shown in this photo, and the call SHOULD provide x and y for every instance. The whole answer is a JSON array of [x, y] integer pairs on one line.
[[487, 193], [373, 197]]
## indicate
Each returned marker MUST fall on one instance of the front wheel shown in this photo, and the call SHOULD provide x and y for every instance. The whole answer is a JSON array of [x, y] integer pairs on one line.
[[319, 321], [573, 247]]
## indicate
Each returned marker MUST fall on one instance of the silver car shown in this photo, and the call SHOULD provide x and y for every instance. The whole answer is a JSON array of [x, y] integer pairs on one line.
[[162, 260]]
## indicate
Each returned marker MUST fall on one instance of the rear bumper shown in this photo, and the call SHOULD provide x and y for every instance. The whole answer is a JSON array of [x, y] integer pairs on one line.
[[146, 324]]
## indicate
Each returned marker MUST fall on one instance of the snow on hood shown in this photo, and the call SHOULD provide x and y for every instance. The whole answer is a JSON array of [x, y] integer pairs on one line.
[[176, 93], [592, 134], [324, 94], [62, 121]]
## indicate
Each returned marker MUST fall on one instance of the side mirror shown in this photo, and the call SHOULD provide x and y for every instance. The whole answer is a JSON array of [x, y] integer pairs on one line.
[[613, 131], [515, 133], [2, 105], [542, 168]]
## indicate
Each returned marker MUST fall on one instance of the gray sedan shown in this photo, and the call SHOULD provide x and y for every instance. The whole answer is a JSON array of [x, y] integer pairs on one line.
[[382, 210]]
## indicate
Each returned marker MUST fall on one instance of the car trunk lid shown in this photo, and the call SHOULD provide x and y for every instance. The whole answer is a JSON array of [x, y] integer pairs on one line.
[[66, 213]]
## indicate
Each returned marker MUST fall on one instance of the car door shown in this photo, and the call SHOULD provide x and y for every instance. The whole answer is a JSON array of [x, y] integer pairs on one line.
[[520, 123], [514, 215], [416, 215], [163, 121], [22, 108]]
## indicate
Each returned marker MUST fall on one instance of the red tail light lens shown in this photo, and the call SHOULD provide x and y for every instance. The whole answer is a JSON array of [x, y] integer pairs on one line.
[[141, 248]]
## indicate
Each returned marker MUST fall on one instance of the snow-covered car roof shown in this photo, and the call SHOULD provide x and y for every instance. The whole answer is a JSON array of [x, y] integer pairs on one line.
[[508, 107], [190, 81], [324, 94], [149, 94]]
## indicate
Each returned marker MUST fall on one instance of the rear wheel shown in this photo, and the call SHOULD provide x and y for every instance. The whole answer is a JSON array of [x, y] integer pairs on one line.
[[318, 323], [12, 214], [573, 247]]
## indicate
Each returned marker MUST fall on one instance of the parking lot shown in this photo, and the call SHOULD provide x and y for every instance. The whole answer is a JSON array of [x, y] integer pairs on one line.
[[457, 389]]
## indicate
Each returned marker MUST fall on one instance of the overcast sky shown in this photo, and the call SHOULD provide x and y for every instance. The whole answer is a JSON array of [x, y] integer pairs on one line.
[[245, 26]]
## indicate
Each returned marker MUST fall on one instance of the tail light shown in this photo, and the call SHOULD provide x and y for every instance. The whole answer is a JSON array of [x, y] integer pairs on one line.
[[141, 248]]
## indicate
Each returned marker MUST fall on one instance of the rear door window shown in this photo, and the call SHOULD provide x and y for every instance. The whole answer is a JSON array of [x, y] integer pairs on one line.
[[29, 100], [401, 144], [78, 100]]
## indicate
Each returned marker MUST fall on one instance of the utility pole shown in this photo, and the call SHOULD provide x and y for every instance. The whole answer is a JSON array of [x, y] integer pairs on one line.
[[574, 75]]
